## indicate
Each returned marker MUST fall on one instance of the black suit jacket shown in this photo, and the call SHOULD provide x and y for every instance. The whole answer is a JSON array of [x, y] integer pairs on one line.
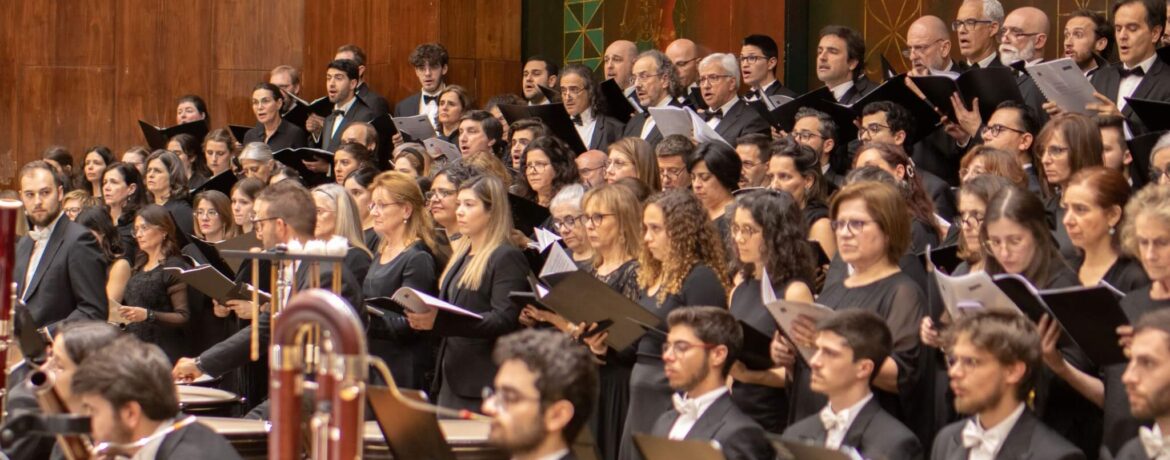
[[874, 433], [607, 130], [634, 126], [1155, 85], [330, 139], [70, 280], [937, 153], [740, 120], [861, 87], [373, 100], [287, 135], [196, 441], [738, 435], [940, 193], [1132, 450], [408, 106], [1029, 438]]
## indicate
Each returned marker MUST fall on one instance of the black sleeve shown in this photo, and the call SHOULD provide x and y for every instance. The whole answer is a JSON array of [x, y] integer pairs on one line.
[[88, 273], [702, 287], [234, 351], [507, 271], [418, 274]]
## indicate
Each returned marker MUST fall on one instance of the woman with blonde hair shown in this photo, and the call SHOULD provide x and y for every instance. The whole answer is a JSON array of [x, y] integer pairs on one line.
[[633, 157], [337, 215], [407, 256], [483, 269]]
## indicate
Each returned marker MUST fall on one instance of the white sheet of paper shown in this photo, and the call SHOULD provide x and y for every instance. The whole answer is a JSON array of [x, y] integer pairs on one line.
[[545, 238], [443, 148], [1063, 82], [419, 302], [558, 261], [418, 126], [970, 291], [785, 313], [767, 292]]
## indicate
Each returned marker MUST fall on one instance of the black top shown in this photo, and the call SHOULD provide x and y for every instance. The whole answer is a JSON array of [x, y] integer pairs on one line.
[[407, 352], [922, 234], [768, 406], [812, 212], [166, 296], [358, 262], [624, 279], [183, 215], [287, 136], [701, 287], [1126, 274]]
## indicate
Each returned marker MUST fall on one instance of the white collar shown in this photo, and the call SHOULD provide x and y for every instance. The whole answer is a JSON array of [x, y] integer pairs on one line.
[[851, 411], [442, 86], [1145, 65], [345, 108], [983, 63], [764, 88], [586, 116], [705, 400], [1001, 430], [664, 102], [727, 106], [52, 225], [840, 90]]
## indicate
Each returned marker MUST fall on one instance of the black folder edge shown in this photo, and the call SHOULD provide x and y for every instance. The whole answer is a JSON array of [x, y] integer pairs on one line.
[[527, 214], [662, 448], [1086, 314], [894, 90], [409, 432], [552, 115], [294, 158], [792, 449], [602, 302], [1029, 300], [756, 351], [783, 118], [386, 304], [1151, 112], [616, 104], [239, 131], [1140, 149], [157, 137], [938, 89], [213, 257], [222, 182]]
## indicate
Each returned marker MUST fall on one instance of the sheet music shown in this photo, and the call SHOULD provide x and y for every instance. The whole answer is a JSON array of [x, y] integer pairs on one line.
[[1063, 82], [684, 121], [443, 148], [970, 291], [418, 126], [544, 238], [419, 302], [785, 313], [558, 261]]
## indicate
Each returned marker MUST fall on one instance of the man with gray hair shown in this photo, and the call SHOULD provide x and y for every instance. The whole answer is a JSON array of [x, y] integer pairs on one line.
[[726, 113], [977, 25], [655, 83]]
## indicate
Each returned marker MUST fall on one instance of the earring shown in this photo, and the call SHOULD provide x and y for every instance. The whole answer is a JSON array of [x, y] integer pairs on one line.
[[1111, 231]]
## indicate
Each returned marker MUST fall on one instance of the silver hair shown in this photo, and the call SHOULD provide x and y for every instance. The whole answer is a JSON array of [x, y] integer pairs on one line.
[[665, 68], [1162, 144], [993, 10], [569, 194], [258, 151], [726, 60]]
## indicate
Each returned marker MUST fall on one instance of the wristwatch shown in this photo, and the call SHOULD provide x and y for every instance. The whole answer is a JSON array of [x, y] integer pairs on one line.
[[150, 316]]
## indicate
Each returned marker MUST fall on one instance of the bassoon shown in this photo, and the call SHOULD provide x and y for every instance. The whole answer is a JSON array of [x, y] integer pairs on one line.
[[9, 212]]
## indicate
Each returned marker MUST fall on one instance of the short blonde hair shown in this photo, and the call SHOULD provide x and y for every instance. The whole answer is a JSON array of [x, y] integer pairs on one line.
[[1152, 201]]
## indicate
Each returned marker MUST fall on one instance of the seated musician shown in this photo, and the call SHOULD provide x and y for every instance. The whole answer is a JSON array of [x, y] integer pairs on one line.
[[850, 345], [700, 348], [542, 396], [127, 391]]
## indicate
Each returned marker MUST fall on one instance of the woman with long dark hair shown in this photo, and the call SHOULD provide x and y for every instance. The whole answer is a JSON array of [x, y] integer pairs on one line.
[[166, 186], [795, 168], [124, 194], [98, 222], [96, 160], [155, 301]]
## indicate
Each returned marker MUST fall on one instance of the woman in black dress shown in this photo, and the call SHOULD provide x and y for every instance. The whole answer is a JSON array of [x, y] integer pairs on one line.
[[124, 195], [357, 185], [682, 264], [767, 235], [407, 256], [483, 269], [98, 223], [166, 186], [795, 168], [155, 301]]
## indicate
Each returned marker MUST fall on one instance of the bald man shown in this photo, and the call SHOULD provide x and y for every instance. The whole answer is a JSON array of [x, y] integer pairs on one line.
[[1025, 32], [684, 53], [619, 63], [928, 46], [591, 165]]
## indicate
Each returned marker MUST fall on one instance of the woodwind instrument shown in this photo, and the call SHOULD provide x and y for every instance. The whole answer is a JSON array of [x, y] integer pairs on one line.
[[256, 306], [75, 447], [9, 212], [341, 381]]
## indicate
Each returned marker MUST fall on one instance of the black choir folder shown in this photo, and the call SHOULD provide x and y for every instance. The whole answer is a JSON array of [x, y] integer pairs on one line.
[[1151, 112], [787, 449], [222, 182], [527, 214], [616, 103], [208, 280], [581, 298], [300, 112], [755, 353], [239, 131], [416, 301], [552, 115], [410, 431], [992, 86], [157, 136], [656, 448]]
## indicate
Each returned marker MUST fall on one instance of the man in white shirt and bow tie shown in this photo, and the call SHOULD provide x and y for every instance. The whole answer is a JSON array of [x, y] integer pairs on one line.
[[850, 346], [994, 360], [700, 348], [1147, 382]]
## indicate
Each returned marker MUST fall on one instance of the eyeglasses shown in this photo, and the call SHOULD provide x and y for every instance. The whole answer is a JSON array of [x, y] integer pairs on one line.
[[746, 231], [711, 79], [616, 163], [681, 347], [504, 398], [969, 23], [997, 129], [139, 229], [853, 226], [595, 219], [1156, 174], [1017, 32], [919, 49], [378, 207], [805, 136], [75, 210], [963, 362], [206, 213], [438, 193], [971, 220], [645, 76], [1009, 244], [256, 221], [567, 221], [571, 90], [1056, 150], [752, 59], [535, 166], [672, 173], [871, 129]]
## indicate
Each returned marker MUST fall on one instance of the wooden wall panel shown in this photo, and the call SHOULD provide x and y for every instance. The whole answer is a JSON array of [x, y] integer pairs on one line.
[[390, 47], [232, 92], [72, 103], [328, 25], [265, 34], [187, 50], [137, 92]]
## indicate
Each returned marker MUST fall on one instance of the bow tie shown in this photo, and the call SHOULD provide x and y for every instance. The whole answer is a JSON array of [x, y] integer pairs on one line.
[[578, 121], [40, 235], [717, 113], [1134, 72], [430, 99], [339, 113], [686, 407], [833, 421], [1155, 445], [975, 437]]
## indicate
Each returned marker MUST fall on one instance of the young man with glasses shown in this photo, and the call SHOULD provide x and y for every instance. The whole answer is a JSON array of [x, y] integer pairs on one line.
[[758, 59], [700, 348], [729, 116], [817, 130], [673, 155], [994, 361], [542, 396], [1012, 128], [655, 79]]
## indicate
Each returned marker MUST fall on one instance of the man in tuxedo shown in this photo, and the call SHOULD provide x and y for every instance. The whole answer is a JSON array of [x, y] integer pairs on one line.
[[885, 121], [429, 61], [341, 80], [1013, 128], [288, 79], [700, 348], [1147, 382], [977, 24], [849, 348], [127, 390], [726, 112], [1088, 40], [673, 155], [994, 363], [928, 46], [1025, 34], [373, 100], [754, 151], [543, 395], [841, 64], [60, 271], [1140, 74], [539, 71], [758, 58], [817, 130], [684, 53], [619, 65], [582, 101], [654, 77]]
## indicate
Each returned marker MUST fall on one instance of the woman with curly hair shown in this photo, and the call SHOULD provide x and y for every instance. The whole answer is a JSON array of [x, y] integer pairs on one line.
[[548, 165], [766, 236], [682, 264]]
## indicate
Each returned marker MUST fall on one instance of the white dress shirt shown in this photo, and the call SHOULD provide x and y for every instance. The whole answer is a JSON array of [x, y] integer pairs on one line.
[[844, 419], [344, 108], [585, 129], [1129, 84], [757, 93], [992, 438], [840, 90], [38, 252], [983, 63], [649, 124], [430, 109], [1156, 446], [715, 121], [686, 420]]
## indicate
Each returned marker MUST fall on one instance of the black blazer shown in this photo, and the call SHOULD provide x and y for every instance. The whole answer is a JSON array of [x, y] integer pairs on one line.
[[465, 356], [938, 154], [874, 433], [329, 139], [861, 87], [1029, 438], [778, 89], [408, 106], [287, 135], [373, 100], [940, 193], [1132, 450], [607, 130], [738, 435], [70, 280], [196, 441], [634, 129], [740, 120], [1155, 85]]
